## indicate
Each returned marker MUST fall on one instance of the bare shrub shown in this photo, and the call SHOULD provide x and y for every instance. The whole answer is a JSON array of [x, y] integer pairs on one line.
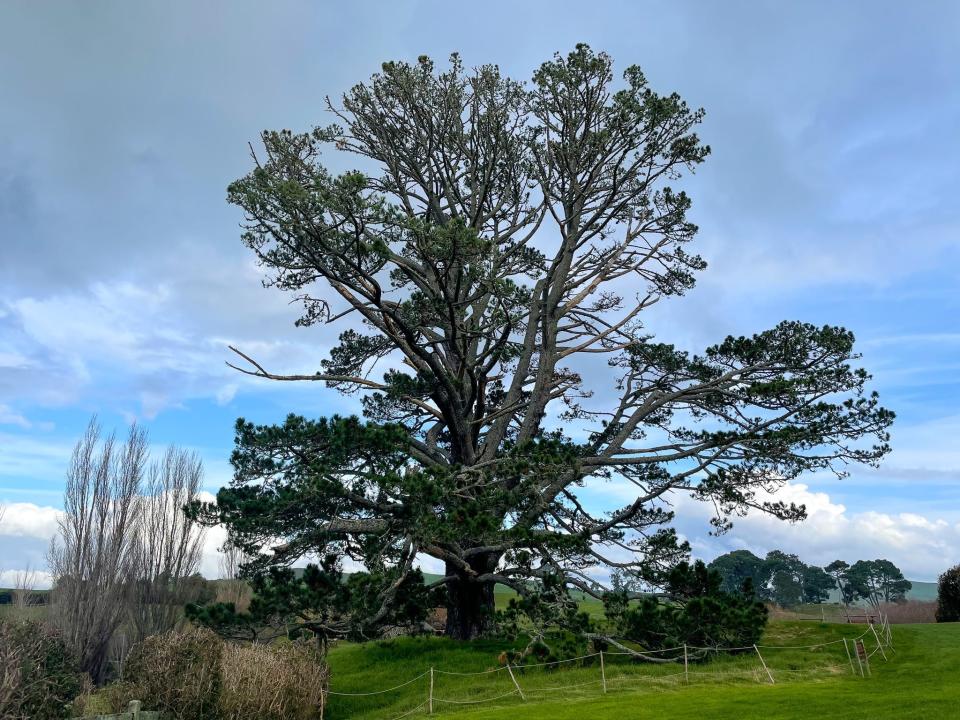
[[272, 683], [178, 673], [39, 677], [92, 559], [910, 611]]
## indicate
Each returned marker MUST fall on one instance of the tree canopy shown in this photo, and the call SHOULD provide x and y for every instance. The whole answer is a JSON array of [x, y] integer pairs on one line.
[[780, 577], [488, 270]]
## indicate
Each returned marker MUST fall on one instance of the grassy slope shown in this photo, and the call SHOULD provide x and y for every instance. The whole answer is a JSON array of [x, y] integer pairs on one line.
[[921, 680]]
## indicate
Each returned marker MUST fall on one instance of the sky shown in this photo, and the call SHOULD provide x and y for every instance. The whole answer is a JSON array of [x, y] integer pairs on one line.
[[830, 197]]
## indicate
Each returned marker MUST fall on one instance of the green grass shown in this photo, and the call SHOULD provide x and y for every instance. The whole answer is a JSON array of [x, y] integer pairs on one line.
[[922, 679]]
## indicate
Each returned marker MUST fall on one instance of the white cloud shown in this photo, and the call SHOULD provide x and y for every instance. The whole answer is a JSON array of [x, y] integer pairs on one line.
[[40, 579], [921, 546], [29, 520]]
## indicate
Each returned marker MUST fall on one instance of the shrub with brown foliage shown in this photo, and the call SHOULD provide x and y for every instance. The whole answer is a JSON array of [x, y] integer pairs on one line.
[[272, 683], [178, 673], [39, 677], [194, 675]]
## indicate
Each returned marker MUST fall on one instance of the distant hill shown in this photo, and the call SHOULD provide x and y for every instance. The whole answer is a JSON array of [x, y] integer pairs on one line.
[[922, 591]]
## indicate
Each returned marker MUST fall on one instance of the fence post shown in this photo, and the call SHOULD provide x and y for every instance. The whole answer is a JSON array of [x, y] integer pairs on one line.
[[430, 697], [769, 674], [849, 657], [686, 670], [823, 615], [879, 644], [515, 683], [133, 708], [862, 657], [603, 674]]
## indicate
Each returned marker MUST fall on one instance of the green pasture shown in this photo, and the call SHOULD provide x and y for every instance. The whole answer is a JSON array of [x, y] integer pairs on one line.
[[920, 679]]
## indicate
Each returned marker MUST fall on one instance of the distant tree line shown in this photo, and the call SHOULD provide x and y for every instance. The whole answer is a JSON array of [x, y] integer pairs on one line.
[[784, 579]]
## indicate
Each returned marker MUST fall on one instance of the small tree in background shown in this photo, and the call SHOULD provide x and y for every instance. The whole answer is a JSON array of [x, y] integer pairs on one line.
[[736, 567], [837, 570], [948, 595], [816, 583], [876, 582]]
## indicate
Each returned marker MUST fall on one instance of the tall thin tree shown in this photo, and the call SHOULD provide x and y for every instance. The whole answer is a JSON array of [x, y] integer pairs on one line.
[[92, 559]]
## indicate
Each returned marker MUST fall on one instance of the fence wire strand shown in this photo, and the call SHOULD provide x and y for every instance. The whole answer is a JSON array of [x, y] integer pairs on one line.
[[616, 678]]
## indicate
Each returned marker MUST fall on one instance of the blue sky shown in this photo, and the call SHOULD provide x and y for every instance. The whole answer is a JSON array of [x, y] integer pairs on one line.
[[831, 197]]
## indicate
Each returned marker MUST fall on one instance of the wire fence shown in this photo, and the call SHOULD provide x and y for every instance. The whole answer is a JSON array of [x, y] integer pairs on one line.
[[442, 689]]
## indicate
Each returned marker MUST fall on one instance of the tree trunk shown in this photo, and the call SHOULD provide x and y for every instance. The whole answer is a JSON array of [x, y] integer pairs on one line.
[[470, 605]]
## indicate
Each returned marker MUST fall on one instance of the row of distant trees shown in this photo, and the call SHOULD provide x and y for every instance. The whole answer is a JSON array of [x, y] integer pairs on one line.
[[784, 579]]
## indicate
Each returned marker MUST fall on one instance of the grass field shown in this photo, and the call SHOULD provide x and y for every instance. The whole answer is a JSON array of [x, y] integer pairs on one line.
[[921, 679]]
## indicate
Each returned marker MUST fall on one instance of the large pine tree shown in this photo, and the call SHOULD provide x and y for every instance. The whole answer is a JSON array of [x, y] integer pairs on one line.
[[503, 237]]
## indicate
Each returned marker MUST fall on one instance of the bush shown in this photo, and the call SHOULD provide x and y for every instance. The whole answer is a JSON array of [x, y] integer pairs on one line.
[[948, 595], [39, 678], [697, 613], [272, 683], [177, 672], [194, 675]]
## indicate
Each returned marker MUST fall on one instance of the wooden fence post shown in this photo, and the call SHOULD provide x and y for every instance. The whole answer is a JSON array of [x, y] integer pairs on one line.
[[515, 683], [769, 674], [430, 698], [862, 657], [603, 674], [133, 708], [849, 657], [879, 644], [686, 669]]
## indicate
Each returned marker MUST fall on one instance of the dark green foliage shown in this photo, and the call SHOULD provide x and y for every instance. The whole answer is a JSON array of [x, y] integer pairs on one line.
[[837, 570], [484, 259], [39, 677], [737, 567], [323, 604], [877, 581], [817, 584], [696, 612], [948, 595], [780, 578]]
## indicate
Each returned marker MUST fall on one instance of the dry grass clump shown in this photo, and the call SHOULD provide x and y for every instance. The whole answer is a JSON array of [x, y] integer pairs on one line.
[[272, 683], [195, 675]]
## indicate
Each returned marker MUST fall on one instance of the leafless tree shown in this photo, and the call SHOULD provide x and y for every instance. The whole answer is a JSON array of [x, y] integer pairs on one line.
[[167, 547], [233, 588], [23, 584], [93, 557]]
